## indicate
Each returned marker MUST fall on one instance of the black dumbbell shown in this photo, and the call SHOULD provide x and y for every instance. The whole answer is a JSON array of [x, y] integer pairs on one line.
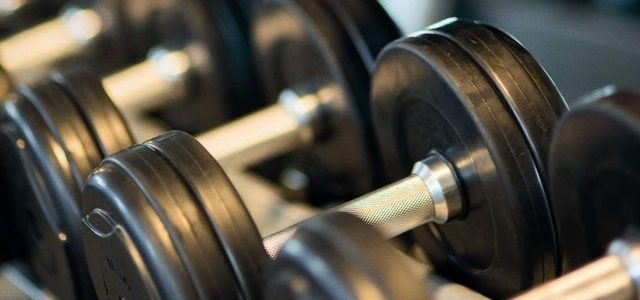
[[595, 174], [613, 276], [340, 257], [73, 114], [56, 130], [462, 99], [111, 33]]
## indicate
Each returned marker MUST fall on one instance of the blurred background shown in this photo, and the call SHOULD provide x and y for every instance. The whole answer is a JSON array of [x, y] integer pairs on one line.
[[584, 45]]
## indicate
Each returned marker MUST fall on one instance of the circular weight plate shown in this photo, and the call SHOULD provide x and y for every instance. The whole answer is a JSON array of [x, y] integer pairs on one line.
[[66, 124], [108, 127], [224, 82], [226, 212], [595, 175], [536, 113], [129, 248], [340, 257], [428, 94], [81, 154], [45, 184], [195, 242], [333, 46]]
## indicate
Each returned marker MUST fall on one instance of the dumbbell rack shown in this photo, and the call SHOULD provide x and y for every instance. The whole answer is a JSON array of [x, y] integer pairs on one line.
[[462, 101], [272, 213]]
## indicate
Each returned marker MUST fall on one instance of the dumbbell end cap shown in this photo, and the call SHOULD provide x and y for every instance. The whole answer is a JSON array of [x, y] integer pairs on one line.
[[441, 180]]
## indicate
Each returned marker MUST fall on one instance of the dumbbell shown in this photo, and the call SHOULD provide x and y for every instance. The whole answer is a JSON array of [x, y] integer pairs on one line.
[[613, 276], [115, 32], [594, 173], [79, 113], [69, 114], [613, 116], [56, 130], [162, 219], [340, 257]]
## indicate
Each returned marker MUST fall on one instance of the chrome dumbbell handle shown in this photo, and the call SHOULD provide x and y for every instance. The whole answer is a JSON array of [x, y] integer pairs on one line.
[[615, 276], [267, 133], [430, 194], [50, 41], [151, 83]]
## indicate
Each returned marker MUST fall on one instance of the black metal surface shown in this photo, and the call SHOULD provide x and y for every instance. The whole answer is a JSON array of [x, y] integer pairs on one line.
[[310, 42], [340, 257], [430, 94], [595, 175]]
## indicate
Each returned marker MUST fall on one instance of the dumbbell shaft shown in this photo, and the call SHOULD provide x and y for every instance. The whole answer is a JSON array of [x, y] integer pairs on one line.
[[429, 194], [49, 42], [265, 134], [274, 130], [614, 276], [150, 83]]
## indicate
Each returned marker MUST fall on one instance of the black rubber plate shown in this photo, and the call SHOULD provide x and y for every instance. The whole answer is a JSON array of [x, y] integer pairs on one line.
[[201, 254], [130, 246], [534, 111], [225, 83], [333, 44], [428, 94], [595, 175], [47, 195], [66, 124], [109, 129], [225, 210], [351, 261], [81, 154]]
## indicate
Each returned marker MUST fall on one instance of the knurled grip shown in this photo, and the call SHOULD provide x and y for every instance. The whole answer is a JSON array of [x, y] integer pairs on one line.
[[394, 209]]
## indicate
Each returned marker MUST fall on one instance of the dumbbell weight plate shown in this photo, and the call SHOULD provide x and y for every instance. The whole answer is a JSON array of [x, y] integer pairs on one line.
[[234, 256], [80, 154], [512, 79], [113, 240], [340, 257], [56, 156], [63, 118], [216, 35], [97, 110], [595, 175], [419, 107], [303, 40], [169, 195], [236, 232]]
